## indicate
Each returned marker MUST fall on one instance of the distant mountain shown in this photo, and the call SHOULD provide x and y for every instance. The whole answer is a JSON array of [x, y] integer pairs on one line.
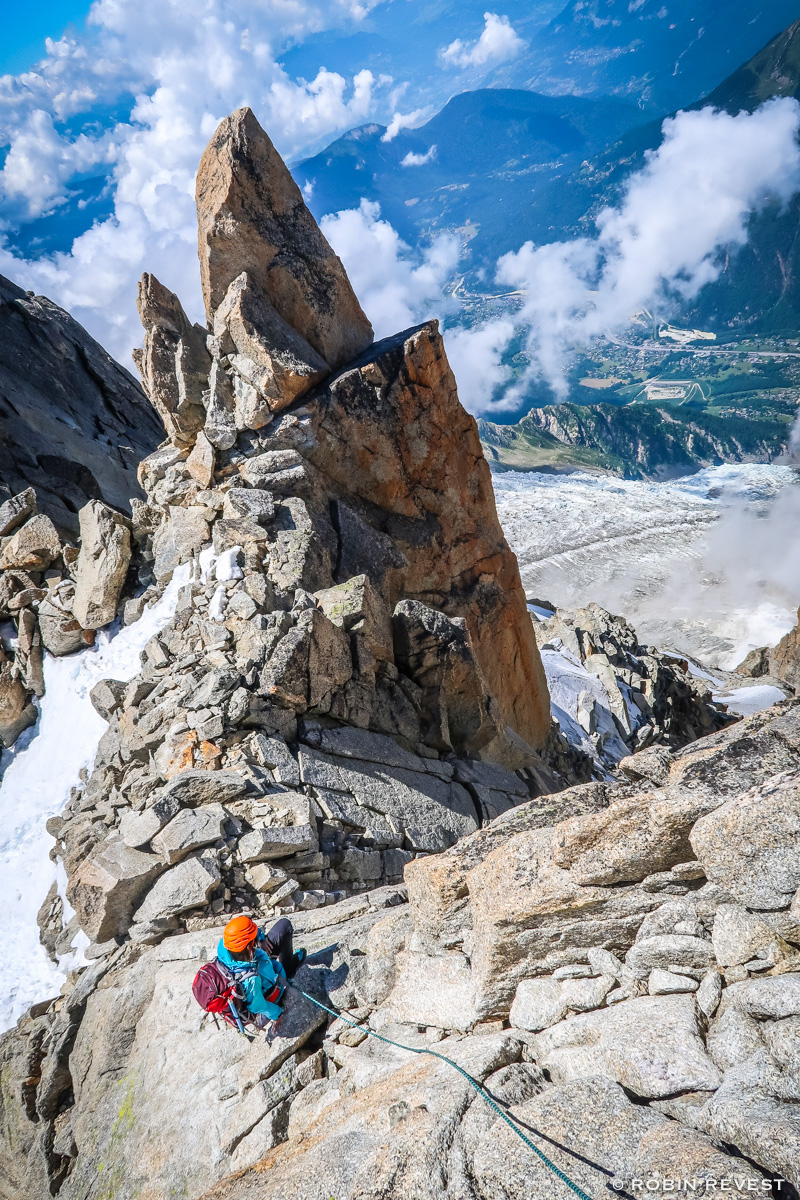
[[662, 53], [635, 441], [655, 54], [774, 71], [759, 285], [491, 160], [510, 166]]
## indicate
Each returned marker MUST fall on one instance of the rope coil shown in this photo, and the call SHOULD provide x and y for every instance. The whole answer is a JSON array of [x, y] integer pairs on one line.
[[484, 1095]]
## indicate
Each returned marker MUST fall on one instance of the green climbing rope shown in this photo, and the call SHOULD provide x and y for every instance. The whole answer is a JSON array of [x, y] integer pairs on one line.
[[484, 1095]]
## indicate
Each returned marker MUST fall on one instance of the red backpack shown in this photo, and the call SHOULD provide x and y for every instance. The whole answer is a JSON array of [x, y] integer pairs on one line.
[[216, 991]]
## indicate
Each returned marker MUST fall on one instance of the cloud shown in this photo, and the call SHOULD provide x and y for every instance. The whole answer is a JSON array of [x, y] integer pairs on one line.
[[498, 43], [396, 287], [418, 160], [690, 201], [169, 70], [793, 449], [476, 358], [409, 120], [740, 581], [41, 161]]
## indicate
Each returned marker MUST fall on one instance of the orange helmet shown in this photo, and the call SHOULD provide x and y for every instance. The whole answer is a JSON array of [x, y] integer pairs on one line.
[[239, 933]]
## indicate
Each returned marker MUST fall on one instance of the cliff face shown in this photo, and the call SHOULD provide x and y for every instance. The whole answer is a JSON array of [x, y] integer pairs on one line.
[[636, 441], [73, 427], [73, 424], [784, 659], [393, 438], [252, 217]]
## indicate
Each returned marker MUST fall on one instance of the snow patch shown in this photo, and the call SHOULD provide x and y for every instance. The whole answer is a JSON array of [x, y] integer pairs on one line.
[[227, 565], [41, 770], [571, 687], [219, 602], [206, 559], [748, 700]]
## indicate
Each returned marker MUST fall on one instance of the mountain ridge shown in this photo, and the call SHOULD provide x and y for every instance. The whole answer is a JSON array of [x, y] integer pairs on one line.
[[340, 712], [507, 137], [81, 436], [559, 197]]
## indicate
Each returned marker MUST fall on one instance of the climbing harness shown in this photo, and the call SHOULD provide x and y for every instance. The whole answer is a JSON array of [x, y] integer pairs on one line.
[[484, 1095]]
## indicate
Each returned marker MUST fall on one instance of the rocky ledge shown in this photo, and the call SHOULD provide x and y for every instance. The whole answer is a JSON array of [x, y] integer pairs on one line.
[[614, 695], [53, 594], [618, 963]]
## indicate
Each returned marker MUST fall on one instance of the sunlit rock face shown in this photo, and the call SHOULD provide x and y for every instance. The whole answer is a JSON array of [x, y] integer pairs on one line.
[[373, 469], [252, 218]]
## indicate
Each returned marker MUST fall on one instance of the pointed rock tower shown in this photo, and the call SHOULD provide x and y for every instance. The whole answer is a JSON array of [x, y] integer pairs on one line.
[[251, 217], [336, 469]]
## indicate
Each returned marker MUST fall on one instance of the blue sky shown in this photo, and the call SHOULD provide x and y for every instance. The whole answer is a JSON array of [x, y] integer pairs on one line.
[[25, 27]]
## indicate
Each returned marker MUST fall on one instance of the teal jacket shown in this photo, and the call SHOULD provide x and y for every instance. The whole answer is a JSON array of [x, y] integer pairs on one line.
[[270, 972]]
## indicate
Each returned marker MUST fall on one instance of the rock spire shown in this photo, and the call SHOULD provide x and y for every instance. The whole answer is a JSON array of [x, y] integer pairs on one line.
[[324, 477], [252, 217]]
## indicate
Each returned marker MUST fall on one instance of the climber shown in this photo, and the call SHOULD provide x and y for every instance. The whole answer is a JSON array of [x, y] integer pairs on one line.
[[260, 963]]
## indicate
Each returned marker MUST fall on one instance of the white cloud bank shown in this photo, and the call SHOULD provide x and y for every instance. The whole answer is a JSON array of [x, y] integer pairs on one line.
[[498, 43], [419, 160], [476, 358], [396, 287], [187, 63], [690, 201], [409, 120]]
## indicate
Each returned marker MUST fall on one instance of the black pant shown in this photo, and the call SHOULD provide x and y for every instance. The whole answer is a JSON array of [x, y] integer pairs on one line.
[[278, 944]]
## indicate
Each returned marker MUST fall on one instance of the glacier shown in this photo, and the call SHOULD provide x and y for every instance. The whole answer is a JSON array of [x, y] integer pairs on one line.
[[698, 565]]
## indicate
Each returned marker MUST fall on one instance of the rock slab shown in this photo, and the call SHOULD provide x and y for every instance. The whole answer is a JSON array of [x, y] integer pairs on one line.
[[252, 217]]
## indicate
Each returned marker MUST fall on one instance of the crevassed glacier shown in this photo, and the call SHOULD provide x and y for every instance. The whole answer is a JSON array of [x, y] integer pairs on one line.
[[701, 565]]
